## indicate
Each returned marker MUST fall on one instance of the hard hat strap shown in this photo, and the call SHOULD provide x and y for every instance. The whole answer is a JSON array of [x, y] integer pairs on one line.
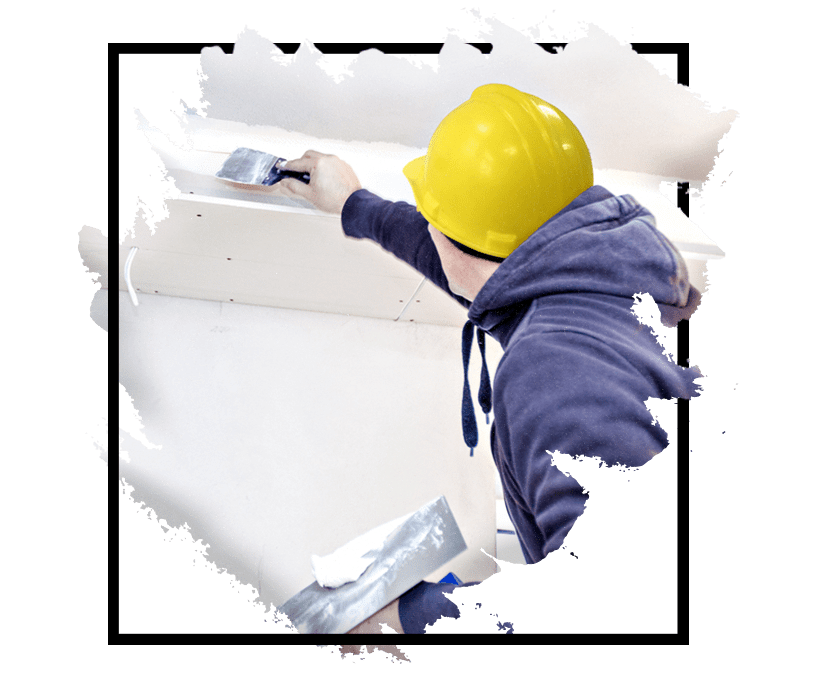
[[472, 252]]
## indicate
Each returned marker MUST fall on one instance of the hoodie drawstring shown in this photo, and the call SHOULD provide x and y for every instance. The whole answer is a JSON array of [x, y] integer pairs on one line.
[[468, 422]]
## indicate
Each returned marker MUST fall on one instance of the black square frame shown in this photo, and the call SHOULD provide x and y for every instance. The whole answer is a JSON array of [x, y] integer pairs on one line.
[[680, 637]]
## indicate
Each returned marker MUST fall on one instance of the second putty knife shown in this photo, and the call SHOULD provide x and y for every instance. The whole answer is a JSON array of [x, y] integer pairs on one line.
[[252, 167], [424, 542]]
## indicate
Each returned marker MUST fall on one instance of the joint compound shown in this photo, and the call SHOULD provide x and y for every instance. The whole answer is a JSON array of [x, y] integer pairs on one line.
[[348, 562]]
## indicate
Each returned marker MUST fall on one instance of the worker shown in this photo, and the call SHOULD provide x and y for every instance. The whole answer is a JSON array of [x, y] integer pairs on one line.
[[509, 223]]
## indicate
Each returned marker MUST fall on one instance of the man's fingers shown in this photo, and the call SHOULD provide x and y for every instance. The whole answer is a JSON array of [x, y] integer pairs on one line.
[[332, 181], [304, 165], [291, 187], [283, 187]]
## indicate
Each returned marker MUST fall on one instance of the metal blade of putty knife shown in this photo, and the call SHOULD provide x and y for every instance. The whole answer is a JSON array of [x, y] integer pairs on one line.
[[426, 541], [252, 167]]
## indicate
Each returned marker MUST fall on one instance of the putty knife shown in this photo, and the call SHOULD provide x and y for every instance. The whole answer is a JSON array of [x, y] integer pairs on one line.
[[252, 167], [426, 541]]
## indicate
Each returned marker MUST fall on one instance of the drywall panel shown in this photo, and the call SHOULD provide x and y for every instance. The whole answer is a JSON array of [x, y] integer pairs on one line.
[[252, 282], [286, 433], [246, 253], [204, 227]]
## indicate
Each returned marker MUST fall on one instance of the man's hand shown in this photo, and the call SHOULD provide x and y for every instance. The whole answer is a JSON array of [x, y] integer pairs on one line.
[[372, 626], [332, 181]]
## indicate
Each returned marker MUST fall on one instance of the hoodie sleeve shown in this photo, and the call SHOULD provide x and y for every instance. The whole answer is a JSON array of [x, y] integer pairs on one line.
[[398, 228], [425, 603], [571, 393]]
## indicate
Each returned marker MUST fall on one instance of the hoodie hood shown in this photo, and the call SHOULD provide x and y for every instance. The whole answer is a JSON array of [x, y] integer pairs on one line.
[[598, 244]]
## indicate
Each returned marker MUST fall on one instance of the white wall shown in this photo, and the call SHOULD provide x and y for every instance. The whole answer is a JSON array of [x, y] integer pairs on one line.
[[286, 433]]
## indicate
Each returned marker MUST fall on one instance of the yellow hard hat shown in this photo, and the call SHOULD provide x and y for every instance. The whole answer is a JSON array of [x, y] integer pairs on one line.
[[497, 168]]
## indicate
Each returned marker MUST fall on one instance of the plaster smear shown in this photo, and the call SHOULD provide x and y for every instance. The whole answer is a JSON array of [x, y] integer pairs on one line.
[[348, 562]]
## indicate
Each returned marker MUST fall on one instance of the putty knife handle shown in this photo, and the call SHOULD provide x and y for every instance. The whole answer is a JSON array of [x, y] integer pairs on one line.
[[302, 177]]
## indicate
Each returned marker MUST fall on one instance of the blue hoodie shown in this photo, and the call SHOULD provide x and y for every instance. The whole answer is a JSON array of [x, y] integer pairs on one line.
[[577, 367]]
